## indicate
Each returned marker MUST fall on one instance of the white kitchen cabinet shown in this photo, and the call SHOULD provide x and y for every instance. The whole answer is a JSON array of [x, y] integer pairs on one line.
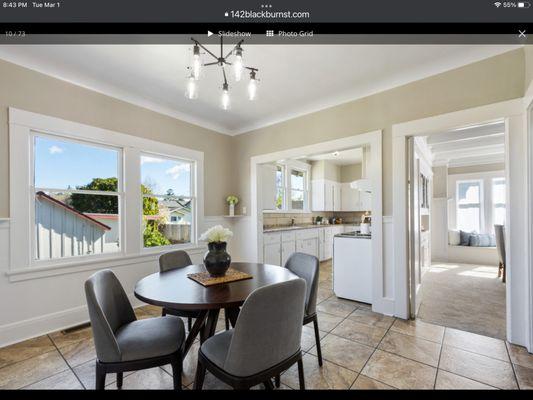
[[287, 248], [366, 201], [272, 254], [326, 195], [308, 246]]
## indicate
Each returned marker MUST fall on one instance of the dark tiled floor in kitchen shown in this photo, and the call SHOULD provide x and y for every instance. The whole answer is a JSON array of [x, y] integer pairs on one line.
[[361, 350]]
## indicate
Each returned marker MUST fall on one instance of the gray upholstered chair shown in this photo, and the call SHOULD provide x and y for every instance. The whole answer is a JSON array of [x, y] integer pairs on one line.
[[168, 262], [264, 342], [124, 343], [499, 231]]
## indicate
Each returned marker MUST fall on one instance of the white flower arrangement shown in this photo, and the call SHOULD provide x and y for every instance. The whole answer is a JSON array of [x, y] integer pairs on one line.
[[216, 234]]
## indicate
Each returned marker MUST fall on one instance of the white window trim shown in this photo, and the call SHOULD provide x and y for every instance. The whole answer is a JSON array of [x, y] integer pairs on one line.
[[481, 201], [21, 125]]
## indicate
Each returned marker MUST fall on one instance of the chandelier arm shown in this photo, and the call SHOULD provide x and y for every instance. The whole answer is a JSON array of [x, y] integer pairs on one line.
[[211, 63], [221, 46], [234, 47], [206, 50], [224, 74], [251, 68]]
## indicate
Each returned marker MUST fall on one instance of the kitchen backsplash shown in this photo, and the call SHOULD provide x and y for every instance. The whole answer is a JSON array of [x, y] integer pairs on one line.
[[277, 219]]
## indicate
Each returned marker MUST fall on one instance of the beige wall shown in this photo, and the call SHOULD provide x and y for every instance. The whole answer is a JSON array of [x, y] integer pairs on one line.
[[29, 90], [528, 50], [471, 169], [350, 173], [493, 80]]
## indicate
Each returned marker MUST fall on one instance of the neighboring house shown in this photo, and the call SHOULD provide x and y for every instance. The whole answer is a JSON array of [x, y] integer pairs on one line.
[[62, 231]]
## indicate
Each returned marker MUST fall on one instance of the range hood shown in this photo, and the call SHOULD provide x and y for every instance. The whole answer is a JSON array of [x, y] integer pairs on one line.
[[364, 184]]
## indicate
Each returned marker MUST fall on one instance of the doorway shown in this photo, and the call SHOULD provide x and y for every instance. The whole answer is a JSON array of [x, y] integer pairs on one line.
[[457, 212]]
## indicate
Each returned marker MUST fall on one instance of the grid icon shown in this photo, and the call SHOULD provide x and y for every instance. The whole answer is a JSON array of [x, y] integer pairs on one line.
[[270, 33]]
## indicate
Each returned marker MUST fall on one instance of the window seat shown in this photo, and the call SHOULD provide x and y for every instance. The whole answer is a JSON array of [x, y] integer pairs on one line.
[[473, 255]]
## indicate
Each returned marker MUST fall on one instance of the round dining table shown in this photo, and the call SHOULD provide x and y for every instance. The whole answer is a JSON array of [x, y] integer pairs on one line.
[[175, 290]]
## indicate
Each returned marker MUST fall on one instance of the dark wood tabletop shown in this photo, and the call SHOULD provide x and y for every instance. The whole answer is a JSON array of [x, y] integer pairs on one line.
[[173, 289]]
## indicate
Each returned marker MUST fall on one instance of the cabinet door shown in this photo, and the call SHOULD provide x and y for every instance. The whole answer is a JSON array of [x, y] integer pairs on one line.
[[349, 198], [311, 246], [328, 196], [287, 248], [317, 195], [272, 254], [366, 201], [337, 201]]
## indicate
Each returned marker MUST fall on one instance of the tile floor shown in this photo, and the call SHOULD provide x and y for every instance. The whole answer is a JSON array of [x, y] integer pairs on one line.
[[361, 350]]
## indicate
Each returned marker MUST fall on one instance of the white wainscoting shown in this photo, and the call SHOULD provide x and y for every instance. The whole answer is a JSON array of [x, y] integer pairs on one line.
[[35, 306]]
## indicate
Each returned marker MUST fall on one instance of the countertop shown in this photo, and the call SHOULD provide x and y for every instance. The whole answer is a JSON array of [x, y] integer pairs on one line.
[[301, 226], [353, 235]]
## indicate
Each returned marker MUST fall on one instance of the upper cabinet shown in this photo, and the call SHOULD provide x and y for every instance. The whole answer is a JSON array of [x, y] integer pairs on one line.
[[331, 190]]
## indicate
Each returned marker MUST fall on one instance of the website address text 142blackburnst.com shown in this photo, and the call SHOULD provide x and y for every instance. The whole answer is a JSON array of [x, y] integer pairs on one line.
[[267, 14]]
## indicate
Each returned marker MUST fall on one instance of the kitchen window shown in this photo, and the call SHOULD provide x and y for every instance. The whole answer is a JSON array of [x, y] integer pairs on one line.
[[292, 187], [167, 201], [280, 187], [76, 196], [298, 192], [469, 200], [498, 201]]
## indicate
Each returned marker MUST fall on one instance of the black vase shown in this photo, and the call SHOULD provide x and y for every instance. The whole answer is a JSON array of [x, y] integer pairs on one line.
[[217, 260]]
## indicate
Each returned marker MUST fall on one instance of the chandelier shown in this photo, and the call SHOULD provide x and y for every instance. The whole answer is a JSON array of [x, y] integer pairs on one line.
[[233, 60]]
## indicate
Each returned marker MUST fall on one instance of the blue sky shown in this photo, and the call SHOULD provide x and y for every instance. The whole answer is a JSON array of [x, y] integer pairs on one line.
[[60, 164]]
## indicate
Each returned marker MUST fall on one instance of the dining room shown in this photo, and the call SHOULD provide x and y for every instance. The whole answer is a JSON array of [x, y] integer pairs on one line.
[[137, 250]]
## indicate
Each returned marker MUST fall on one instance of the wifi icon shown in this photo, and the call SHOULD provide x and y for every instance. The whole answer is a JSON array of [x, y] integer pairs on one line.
[[497, 4]]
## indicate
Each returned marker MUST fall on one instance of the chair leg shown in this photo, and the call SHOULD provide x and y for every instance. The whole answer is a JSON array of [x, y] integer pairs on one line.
[[301, 374], [500, 270], [277, 381], [200, 375], [189, 324], [226, 320], [163, 312], [100, 376], [503, 273], [120, 379], [317, 339], [268, 385], [177, 367]]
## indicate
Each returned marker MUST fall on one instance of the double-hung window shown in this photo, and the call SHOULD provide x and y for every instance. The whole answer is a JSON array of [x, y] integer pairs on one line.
[[292, 187], [498, 201], [298, 189], [280, 187], [168, 201], [77, 198], [469, 205]]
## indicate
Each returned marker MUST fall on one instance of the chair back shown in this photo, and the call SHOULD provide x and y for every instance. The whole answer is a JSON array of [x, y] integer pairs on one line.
[[306, 267], [268, 329], [174, 260], [499, 231], [109, 309]]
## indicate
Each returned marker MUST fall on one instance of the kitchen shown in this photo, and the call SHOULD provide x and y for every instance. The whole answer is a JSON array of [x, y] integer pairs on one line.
[[321, 205]]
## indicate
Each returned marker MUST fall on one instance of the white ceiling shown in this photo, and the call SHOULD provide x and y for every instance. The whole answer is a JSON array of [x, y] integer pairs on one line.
[[343, 157], [294, 79], [472, 145]]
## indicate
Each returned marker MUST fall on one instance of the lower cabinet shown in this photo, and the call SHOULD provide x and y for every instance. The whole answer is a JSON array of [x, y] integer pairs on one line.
[[287, 248], [272, 254]]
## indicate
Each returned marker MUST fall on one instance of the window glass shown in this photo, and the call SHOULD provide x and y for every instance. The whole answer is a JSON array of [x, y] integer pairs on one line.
[[280, 187], [64, 164], [70, 222], [163, 176], [469, 206], [297, 189], [167, 202]]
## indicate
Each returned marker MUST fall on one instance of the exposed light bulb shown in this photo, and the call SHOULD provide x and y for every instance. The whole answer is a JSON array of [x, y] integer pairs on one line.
[[225, 97], [192, 88], [196, 62], [237, 64], [252, 86]]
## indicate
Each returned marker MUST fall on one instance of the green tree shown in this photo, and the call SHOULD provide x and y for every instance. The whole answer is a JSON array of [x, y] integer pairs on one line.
[[89, 203]]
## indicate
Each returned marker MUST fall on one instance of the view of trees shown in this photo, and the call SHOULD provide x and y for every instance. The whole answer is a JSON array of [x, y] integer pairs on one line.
[[88, 203]]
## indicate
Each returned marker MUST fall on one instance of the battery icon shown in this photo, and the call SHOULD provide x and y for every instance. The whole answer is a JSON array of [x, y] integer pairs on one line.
[[524, 4]]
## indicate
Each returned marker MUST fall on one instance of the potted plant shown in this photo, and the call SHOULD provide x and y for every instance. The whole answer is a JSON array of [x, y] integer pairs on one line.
[[217, 260], [232, 201]]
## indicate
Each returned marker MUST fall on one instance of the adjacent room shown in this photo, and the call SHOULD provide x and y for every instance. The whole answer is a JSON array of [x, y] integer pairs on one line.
[[462, 215], [171, 219]]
